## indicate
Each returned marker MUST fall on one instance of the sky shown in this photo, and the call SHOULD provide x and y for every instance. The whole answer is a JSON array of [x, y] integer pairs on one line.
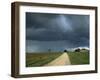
[[56, 31]]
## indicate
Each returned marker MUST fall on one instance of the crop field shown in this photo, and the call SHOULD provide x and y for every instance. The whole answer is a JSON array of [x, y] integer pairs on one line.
[[40, 59]]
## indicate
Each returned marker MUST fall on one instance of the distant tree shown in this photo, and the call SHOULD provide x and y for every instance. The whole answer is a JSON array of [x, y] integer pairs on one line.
[[65, 51], [84, 49], [77, 50], [49, 50]]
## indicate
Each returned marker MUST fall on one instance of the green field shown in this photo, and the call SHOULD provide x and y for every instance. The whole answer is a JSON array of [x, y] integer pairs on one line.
[[79, 58], [40, 59]]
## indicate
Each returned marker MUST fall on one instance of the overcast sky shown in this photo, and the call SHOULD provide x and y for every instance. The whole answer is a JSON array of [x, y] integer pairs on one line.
[[56, 31]]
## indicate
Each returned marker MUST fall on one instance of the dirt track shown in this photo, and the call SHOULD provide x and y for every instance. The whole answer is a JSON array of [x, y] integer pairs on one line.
[[61, 60]]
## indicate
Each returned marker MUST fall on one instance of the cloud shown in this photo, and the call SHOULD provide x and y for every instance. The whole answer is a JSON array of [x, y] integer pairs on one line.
[[38, 46], [70, 29]]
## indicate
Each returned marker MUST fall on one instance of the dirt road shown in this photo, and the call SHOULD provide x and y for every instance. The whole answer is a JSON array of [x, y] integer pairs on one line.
[[61, 60]]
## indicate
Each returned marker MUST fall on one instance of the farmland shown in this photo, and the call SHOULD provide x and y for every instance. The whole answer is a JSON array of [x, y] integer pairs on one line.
[[79, 58], [40, 59]]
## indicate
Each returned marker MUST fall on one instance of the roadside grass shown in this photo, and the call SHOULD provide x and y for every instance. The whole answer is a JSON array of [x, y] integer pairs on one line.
[[40, 59], [79, 57]]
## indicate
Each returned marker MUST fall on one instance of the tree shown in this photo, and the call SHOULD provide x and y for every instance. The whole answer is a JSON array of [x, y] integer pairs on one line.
[[49, 50], [65, 50], [77, 50]]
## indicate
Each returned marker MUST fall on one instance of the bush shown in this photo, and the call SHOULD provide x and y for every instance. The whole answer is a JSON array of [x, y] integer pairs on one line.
[[65, 51], [77, 50]]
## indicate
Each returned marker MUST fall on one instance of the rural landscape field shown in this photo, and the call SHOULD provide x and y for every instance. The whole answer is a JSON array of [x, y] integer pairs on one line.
[[41, 59], [57, 39]]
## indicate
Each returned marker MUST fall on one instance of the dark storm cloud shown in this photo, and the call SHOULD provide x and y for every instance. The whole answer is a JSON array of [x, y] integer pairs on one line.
[[38, 46], [73, 29]]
